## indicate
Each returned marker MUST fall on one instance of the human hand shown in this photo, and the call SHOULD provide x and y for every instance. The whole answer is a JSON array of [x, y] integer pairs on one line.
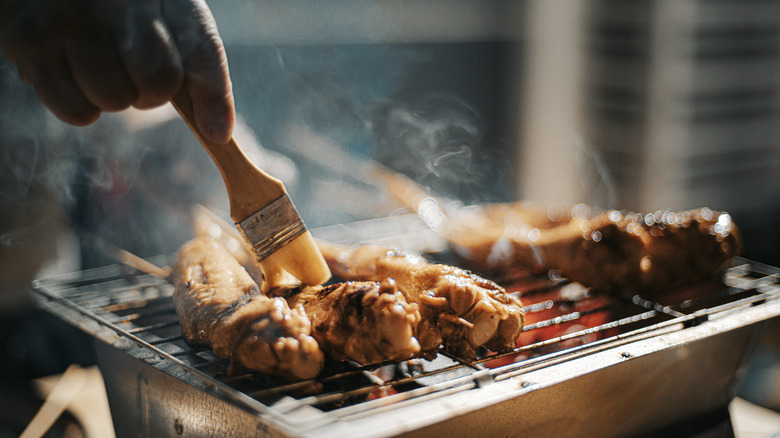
[[85, 57]]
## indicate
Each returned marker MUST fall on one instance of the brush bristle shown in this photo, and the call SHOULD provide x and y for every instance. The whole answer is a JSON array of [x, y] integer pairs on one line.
[[303, 259]]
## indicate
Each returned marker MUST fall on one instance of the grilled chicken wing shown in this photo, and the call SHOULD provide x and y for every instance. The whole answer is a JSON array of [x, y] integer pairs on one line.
[[220, 305], [459, 309], [366, 322], [607, 250]]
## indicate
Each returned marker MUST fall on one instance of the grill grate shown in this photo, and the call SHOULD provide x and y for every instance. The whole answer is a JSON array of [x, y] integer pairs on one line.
[[564, 321]]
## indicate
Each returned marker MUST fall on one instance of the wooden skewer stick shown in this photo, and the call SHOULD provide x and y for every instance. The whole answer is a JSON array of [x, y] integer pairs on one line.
[[143, 265], [261, 208], [129, 259], [56, 402]]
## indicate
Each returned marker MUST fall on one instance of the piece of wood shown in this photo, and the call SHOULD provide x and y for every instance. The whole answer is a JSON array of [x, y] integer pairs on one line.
[[56, 402]]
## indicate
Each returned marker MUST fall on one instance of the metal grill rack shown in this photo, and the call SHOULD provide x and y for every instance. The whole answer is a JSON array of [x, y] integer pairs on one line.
[[134, 313]]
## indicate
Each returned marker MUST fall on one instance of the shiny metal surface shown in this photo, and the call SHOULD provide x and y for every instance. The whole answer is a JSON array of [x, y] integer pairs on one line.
[[272, 227], [648, 365]]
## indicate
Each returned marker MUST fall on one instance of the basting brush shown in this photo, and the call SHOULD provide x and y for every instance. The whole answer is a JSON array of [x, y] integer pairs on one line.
[[261, 208]]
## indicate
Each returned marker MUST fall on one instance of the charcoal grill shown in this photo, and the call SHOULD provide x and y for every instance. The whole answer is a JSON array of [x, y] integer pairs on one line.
[[586, 365]]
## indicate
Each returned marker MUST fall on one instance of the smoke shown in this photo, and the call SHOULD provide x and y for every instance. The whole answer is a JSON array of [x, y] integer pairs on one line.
[[133, 185], [36, 169], [34, 156], [429, 111], [598, 186], [433, 140]]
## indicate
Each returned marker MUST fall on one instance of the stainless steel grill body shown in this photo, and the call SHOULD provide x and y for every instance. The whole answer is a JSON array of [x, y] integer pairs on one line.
[[648, 365]]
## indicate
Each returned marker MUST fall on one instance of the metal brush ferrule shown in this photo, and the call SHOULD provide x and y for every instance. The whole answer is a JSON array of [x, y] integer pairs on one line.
[[272, 227]]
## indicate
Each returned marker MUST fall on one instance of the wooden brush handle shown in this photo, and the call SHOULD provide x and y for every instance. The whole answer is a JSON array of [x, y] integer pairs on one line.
[[249, 188]]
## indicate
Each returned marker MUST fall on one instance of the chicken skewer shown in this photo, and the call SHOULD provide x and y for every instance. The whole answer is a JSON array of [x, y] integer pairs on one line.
[[607, 250], [459, 309], [370, 322]]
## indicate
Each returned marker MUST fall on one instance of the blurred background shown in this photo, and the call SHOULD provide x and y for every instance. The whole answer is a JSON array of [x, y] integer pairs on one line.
[[637, 105]]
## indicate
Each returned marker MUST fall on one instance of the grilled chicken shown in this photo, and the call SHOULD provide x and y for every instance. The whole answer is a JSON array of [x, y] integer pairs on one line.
[[220, 305], [285, 334], [367, 322], [606, 250], [459, 309]]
